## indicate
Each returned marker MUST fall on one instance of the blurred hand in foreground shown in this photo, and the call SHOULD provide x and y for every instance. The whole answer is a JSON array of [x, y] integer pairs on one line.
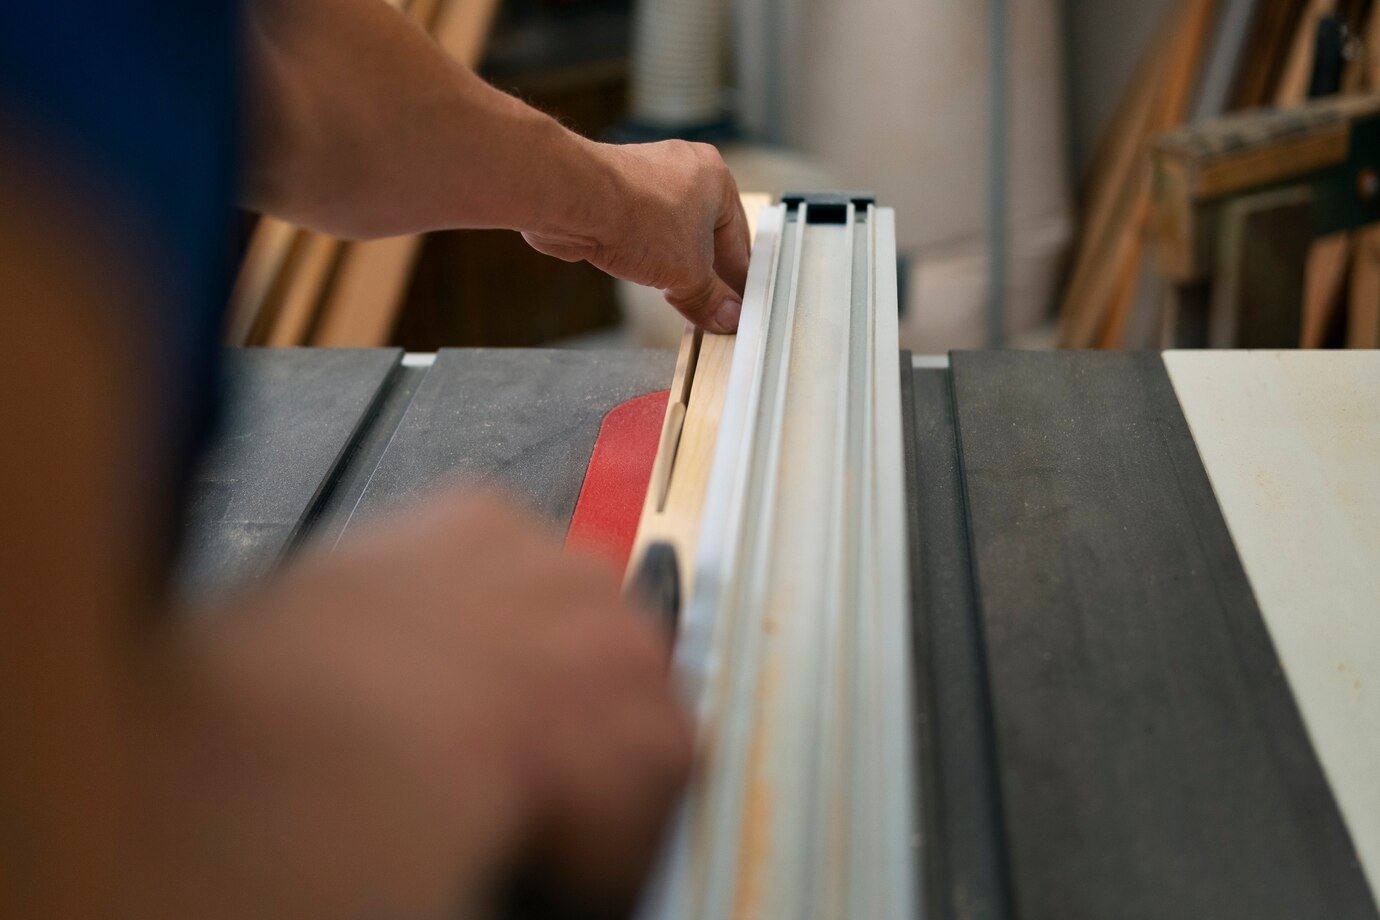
[[407, 722]]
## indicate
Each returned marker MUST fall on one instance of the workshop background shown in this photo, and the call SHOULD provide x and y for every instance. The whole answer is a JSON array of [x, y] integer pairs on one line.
[[1023, 145]]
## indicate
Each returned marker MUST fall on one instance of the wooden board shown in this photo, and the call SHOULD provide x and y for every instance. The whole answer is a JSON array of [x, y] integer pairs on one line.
[[260, 275], [1198, 165], [1110, 194], [1151, 759], [689, 432], [1291, 442], [1363, 317], [1323, 279], [1298, 67], [1370, 79], [462, 27], [1249, 149], [370, 284], [1271, 34], [1099, 293], [312, 272], [1320, 147]]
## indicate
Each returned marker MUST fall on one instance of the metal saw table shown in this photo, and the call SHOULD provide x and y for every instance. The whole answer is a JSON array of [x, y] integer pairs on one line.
[[1146, 593]]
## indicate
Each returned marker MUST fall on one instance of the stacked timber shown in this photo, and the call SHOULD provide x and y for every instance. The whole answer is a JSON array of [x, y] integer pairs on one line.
[[1211, 58]]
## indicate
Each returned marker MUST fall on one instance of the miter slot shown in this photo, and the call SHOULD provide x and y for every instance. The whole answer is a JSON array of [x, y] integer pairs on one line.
[[675, 423]]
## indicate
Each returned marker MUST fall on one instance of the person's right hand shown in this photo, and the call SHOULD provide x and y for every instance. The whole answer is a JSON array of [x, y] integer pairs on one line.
[[673, 220], [397, 727]]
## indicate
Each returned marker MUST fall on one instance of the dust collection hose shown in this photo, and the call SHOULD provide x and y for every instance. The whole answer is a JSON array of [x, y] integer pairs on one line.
[[677, 63]]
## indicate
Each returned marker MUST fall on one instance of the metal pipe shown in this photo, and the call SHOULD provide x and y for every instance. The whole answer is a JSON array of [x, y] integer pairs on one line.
[[998, 166]]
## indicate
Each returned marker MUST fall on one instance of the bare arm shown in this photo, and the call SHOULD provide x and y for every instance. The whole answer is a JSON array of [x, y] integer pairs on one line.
[[361, 126]]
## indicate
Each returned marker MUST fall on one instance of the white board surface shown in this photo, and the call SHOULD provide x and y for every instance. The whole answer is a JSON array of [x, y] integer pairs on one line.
[[1291, 443]]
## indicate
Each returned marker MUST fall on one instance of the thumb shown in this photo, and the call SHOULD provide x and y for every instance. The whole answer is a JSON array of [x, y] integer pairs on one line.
[[710, 304]]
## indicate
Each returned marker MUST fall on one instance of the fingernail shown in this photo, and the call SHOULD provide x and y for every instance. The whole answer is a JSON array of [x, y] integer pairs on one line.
[[726, 317]]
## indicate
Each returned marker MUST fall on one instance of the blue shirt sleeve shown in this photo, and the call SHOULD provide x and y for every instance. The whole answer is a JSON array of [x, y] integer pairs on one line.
[[140, 98]]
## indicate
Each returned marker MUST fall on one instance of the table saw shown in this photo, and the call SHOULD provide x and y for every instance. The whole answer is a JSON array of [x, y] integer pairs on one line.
[[1108, 725], [1141, 592]]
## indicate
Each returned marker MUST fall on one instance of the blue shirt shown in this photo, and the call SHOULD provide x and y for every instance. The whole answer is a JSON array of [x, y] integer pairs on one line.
[[137, 100]]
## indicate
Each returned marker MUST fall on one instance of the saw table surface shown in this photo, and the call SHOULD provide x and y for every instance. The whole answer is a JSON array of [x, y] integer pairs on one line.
[[318, 439], [1146, 608]]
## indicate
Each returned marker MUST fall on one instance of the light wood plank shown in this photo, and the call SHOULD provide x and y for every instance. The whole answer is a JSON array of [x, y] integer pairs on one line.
[[1322, 285], [302, 301], [368, 293], [1363, 321], [1267, 47], [1092, 308], [672, 514], [1326, 146], [259, 277], [1121, 297], [1298, 68], [1109, 192], [462, 28], [1176, 95], [1370, 61]]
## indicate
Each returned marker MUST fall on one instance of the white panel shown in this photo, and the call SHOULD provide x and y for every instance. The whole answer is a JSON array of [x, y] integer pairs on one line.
[[1291, 442]]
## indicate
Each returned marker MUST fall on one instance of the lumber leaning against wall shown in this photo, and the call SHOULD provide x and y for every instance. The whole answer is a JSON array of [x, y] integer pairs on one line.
[[1099, 294]]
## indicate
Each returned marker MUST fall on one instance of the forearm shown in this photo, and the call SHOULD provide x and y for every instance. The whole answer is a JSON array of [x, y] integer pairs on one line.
[[360, 125]]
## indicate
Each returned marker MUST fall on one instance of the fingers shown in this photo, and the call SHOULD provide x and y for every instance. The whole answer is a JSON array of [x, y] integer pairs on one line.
[[715, 302], [708, 303], [617, 781], [732, 242]]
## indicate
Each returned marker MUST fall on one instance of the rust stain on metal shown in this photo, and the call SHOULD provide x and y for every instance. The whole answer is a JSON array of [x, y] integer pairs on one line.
[[759, 802]]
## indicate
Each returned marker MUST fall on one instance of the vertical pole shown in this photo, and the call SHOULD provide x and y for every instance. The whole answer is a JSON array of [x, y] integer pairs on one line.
[[774, 114], [998, 166]]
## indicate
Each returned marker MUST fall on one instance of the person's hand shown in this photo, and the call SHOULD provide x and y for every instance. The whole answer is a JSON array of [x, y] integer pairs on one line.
[[674, 222], [443, 701]]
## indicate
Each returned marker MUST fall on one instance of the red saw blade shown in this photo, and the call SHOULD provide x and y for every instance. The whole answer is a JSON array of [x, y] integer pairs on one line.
[[610, 503]]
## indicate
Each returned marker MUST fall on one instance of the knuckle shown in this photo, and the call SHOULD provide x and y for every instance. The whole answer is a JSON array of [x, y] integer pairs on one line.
[[696, 302]]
